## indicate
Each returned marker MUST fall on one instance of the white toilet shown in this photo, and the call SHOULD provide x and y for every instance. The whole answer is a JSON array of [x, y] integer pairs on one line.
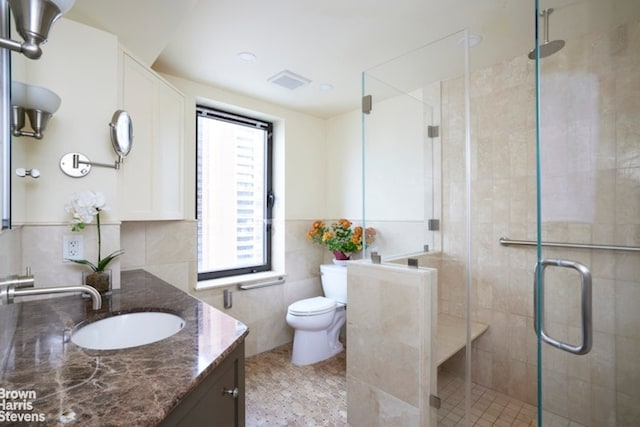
[[317, 321]]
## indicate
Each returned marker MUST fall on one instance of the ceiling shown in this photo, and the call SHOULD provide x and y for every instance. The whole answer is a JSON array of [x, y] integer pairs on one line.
[[328, 42]]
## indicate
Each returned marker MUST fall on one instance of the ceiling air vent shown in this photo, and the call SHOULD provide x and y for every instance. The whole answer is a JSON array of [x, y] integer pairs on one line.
[[289, 80]]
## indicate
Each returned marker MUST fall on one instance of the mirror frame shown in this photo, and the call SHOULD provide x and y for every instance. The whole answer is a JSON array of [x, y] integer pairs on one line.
[[121, 133], [5, 121]]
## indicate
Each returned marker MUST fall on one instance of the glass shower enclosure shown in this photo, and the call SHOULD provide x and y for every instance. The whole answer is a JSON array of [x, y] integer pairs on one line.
[[522, 176], [587, 239]]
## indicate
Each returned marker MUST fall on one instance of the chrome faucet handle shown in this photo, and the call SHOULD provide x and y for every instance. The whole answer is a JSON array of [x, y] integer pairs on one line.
[[17, 281], [9, 284], [26, 281]]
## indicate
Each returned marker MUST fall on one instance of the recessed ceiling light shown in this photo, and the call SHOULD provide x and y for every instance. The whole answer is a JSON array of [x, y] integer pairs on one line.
[[247, 56], [325, 87]]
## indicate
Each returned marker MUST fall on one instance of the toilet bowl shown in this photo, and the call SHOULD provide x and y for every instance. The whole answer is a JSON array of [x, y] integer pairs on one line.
[[317, 321]]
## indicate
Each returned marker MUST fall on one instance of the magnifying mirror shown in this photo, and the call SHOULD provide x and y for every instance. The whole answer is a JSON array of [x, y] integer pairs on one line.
[[121, 133], [77, 165]]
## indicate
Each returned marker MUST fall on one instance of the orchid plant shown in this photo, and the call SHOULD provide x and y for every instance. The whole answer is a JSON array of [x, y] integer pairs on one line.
[[84, 206]]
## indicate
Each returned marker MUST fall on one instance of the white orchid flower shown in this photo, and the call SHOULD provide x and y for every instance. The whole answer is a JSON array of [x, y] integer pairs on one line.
[[83, 207]]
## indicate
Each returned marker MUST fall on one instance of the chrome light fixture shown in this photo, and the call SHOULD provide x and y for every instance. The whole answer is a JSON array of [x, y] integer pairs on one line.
[[33, 20], [37, 103]]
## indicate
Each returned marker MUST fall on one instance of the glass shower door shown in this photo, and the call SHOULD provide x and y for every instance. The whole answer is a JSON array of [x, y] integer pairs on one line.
[[587, 280], [416, 149], [398, 158]]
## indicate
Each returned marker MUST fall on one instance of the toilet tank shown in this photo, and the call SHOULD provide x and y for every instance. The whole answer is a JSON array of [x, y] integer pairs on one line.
[[334, 282]]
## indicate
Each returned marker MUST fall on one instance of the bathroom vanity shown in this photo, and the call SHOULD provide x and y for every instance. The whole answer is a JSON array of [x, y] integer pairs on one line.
[[194, 377]]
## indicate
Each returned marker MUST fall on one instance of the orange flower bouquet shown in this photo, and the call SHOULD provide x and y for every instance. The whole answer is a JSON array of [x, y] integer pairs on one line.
[[340, 237]]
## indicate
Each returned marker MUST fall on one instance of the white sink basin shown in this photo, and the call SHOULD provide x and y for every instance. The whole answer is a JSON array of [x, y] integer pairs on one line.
[[127, 330]]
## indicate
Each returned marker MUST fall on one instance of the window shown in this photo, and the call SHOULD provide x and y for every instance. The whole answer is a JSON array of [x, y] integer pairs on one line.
[[234, 196]]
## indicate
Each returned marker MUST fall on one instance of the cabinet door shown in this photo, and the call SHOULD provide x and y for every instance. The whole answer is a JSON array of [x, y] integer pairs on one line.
[[168, 153], [151, 184], [136, 184], [220, 405], [218, 401]]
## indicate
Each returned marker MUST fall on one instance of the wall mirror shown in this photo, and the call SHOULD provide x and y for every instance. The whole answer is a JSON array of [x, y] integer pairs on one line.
[[121, 133]]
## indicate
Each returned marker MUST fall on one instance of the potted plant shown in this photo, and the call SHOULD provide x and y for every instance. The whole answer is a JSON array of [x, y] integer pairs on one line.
[[341, 238], [84, 207]]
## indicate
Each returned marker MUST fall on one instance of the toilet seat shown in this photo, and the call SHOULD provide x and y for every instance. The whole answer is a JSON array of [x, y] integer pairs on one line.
[[312, 306]]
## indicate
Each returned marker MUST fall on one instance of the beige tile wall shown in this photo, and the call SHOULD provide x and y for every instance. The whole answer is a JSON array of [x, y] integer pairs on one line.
[[39, 247], [390, 359], [10, 242]]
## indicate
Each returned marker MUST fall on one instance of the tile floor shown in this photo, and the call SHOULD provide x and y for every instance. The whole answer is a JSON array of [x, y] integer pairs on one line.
[[488, 407], [281, 394]]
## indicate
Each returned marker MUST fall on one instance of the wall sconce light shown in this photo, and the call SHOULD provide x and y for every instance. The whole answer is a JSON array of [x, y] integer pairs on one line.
[[37, 103], [34, 19]]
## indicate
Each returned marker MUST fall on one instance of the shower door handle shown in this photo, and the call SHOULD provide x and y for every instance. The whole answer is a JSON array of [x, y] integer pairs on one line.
[[538, 297]]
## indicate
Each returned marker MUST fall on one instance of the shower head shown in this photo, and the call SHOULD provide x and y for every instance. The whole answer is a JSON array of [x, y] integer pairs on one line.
[[548, 47]]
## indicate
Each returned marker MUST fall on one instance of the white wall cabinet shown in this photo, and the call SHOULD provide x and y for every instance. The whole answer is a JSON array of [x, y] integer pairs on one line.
[[151, 178]]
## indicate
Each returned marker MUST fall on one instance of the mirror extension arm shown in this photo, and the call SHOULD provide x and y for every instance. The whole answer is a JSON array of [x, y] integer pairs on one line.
[[77, 162], [77, 165]]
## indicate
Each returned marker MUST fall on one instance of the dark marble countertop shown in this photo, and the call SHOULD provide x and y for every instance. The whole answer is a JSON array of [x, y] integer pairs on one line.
[[59, 383]]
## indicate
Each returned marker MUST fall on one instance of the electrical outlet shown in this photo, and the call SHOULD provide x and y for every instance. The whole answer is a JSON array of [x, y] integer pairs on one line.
[[72, 247]]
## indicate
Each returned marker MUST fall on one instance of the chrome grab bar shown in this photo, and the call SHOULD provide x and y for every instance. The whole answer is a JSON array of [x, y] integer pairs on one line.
[[247, 286], [538, 297], [505, 241]]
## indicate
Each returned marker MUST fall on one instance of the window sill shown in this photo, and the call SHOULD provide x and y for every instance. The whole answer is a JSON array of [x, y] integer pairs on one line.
[[245, 279]]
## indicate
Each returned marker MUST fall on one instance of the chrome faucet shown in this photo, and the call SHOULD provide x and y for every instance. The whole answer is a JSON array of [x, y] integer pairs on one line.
[[22, 286]]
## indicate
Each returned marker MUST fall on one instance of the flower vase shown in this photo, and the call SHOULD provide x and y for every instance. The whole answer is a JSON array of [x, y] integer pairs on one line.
[[100, 280], [340, 258]]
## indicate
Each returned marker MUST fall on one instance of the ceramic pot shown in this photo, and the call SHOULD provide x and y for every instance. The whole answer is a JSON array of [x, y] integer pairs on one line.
[[341, 258]]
